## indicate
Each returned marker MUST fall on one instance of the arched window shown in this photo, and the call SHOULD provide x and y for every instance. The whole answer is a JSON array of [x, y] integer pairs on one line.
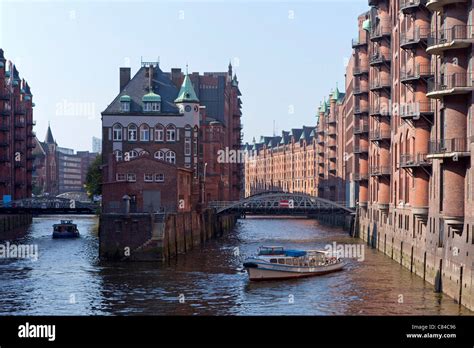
[[132, 154], [118, 155], [171, 133], [132, 132], [144, 133], [171, 157], [159, 132], [159, 155], [143, 153], [117, 132]]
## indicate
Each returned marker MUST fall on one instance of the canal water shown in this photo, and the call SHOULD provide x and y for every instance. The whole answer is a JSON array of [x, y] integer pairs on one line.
[[68, 279]]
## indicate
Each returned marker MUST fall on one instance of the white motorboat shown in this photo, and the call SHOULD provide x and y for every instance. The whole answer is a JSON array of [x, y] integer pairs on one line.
[[273, 262]]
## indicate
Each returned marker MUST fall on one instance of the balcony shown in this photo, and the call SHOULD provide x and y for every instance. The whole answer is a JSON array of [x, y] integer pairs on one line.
[[379, 135], [331, 132], [415, 73], [361, 176], [361, 149], [458, 83], [20, 111], [380, 31], [410, 6], [359, 42], [380, 170], [332, 156], [360, 70], [359, 110], [358, 89], [377, 110], [414, 38], [378, 58], [414, 160], [380, 84], [415, 110], [331, 119], [446, 148], [435, 5], [361, 128], [321, 140], [458, 36]]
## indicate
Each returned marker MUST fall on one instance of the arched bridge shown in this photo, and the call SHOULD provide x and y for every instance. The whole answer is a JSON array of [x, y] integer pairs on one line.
[[282, 203]]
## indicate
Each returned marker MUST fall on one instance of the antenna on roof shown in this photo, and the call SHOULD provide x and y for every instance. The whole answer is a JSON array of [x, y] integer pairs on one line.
[[274, 131], [186, 68]]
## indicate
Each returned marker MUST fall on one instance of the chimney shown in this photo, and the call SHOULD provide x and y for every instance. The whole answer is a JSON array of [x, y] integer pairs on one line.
[[124, 77], [176, 77]]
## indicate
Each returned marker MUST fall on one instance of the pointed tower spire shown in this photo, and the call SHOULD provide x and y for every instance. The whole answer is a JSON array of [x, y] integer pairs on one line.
[[49, 136], [186, 92], [230, 68]]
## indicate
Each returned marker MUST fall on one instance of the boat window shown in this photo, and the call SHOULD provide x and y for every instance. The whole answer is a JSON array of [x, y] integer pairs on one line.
[[273, 260], [281, 261]]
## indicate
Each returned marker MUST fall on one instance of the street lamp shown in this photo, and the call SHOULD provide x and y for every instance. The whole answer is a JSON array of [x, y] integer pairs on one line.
[[204, 183]]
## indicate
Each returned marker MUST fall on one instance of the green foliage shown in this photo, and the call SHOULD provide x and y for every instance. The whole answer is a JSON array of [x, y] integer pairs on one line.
[[93, 183]]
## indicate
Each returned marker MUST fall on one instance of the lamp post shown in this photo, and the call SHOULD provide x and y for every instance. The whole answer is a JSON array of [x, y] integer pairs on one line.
[[204, 183]]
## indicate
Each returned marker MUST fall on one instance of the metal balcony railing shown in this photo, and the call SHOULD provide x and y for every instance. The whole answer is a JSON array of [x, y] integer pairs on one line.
[[410, 5], [361, 128], [359, 89], [361, 149], [380, 30], [380, 58], [380, 170], [448, 145], [380, 83], [361, 109], [448, 35], [452, 81], [415, 109], [413, 37], [379, 135], [412, 73], [414, 160], [20, 110], [380, 110], [360, 41], [360, 69]]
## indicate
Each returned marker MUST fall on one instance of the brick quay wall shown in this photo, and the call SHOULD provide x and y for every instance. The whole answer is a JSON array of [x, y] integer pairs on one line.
[[158, 237]]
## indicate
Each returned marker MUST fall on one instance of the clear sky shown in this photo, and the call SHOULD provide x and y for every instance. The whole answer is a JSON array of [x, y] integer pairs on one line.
[[287, 55]]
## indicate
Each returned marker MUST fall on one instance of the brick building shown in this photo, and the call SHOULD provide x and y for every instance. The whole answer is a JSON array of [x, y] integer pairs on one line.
[[58, 170], [16, 133], [161, 119], [408, 159]]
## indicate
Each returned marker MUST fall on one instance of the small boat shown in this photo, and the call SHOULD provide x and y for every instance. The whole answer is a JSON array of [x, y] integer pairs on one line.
[[65, 229], [272, 263]]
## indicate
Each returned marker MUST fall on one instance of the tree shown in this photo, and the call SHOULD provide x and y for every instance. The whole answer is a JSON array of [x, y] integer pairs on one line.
[[93, 182]]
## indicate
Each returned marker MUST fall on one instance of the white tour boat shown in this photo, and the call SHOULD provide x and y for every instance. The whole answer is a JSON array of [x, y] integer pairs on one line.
[[278, 263]]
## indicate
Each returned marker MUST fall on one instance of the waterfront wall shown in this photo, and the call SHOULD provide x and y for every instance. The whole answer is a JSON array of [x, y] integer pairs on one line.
[[446, 264], [344, 221], [158, 237], [12, 222]]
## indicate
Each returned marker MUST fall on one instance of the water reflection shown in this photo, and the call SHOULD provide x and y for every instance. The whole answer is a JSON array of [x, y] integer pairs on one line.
[[68, 278]]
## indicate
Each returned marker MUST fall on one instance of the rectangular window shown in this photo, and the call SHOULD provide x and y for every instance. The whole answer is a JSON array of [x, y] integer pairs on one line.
[[160, 177], [148, 177], [187, 147], [170, 135], [131, 177], [120, 177], [125, 106], [144, 134]]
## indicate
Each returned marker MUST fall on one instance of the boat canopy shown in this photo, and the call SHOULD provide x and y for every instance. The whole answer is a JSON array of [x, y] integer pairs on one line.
[[295, 253]]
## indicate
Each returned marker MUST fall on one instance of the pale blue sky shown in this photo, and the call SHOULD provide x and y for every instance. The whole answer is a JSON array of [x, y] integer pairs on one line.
[[70, 53]]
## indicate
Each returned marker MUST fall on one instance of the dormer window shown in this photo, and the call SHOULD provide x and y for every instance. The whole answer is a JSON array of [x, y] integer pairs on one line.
[[125, 103], [151, 102]]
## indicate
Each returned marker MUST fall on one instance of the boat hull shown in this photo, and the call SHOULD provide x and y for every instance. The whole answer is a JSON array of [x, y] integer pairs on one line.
[[64, 235], [258, 271]]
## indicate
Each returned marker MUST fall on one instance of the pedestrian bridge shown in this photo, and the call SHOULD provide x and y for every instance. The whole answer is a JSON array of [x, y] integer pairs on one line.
[[281, 203], [48, 205]]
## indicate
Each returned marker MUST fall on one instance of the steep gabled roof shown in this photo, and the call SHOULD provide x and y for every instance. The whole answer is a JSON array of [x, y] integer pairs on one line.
[[138, 86], [186, 93]]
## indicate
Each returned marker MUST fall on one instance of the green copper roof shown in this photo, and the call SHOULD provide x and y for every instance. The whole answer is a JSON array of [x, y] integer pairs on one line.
[[366, 25], [2, 65], [151, 97], [125, 98], [323, 107], [336, 94], [186, 93]]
